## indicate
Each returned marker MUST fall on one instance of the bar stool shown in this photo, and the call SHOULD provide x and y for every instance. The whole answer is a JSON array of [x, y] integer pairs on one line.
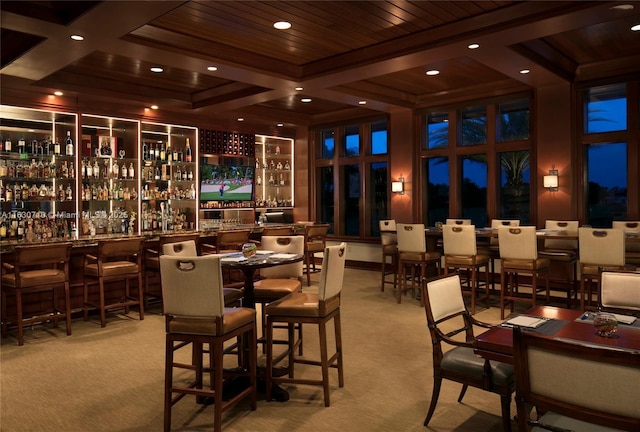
[[389, 240], [632, 249], [565, 253], [315, 241], [37, 269], [492, 249], [195, 314], [461, 252], [601, 249], [519, 254], [116, 260], [412, 252]]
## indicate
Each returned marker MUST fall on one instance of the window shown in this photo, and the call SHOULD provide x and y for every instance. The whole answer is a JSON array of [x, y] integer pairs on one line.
[[351, 144], [325, 195], [377, 197], [606, 108], [515, 186], [437, 170], [474, 189], [437, 130], [379, 138], [606, 183], [328, 144], [474, 126], [513, 123]]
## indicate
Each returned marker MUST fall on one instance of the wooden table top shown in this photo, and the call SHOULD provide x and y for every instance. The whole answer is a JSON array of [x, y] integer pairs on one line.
[[497, 342]]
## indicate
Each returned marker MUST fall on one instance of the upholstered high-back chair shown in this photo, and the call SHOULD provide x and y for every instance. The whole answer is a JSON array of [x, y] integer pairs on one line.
[[458, 222], [564, 252], [389, 242], [461, 253], [453, 357], [574, 387], [519, 254], [632, 248], [36, 269], [116, 260], [315, 241], [491, 248], [600, 249], [195, 313], [311, 308], [412, 255], [620, 291]]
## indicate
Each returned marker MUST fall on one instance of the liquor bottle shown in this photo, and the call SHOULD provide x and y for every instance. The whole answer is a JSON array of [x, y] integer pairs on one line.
[[7, 145], [157, 173], [72, 171], [163, 153], [115, 170], [178, 174], [175, 155], [47, 170], [131, 171], [190, 175], [50, 149], [61, 194], [64, 170], [69, 144], [169, 153], [22, 145], [157, 152], [56, 147], [3, 228], [145, 151], [36, 147], [2, 191], [83, 168], [69, 193], [187, 152]]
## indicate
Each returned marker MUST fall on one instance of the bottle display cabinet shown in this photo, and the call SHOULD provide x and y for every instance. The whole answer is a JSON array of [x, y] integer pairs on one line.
[[169, 177], [274, 172], [38, 190]]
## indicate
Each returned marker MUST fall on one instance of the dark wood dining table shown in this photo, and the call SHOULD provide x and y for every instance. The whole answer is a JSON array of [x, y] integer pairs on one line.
[[497, 342]]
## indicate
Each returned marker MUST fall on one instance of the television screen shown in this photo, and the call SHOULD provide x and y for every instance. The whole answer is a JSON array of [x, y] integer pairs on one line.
[[226, 183]]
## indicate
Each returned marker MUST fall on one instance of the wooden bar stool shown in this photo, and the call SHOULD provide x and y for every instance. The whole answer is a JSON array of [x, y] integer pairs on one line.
[[565, 253], [412, 253], [315, 241], [389, 240]]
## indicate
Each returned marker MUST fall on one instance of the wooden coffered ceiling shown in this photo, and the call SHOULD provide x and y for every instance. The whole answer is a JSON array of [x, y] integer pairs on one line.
[[339, 52]]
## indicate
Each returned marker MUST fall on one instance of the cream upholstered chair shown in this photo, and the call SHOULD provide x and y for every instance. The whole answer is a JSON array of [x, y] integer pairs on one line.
[[519, 254], [315, 240], [461, 252], [491, 248], [36, 270], [600, 249], [412, 252], [565, 253], [279, 281], [574, 386], [445, 310], [276, 231], [458, 222], [620, 291], [195, 313], [311, 308], [116, 260], [389, 240], [632, 249]]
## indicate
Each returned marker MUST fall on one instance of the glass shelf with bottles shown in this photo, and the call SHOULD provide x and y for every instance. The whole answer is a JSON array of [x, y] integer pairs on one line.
[[274, 172], [37, 174]]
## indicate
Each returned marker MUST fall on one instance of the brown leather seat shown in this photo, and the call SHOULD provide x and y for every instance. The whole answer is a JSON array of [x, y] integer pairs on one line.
[[36, 269], [311, 308], [195, 314], [116, 260]]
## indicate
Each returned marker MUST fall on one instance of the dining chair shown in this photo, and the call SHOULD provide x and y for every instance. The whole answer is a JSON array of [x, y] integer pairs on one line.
[[458, 222], [279, 281], [311, 308], [36, 270], [195, 314], [315, 241], [116, 260], [461, 253], [276, 231], [564, 253], [588, 387], [620, 291], [451, 327], [600, 249], [492, 248], [152, 288], [412, 253], [519, 255], [389, 241], [632, 249]]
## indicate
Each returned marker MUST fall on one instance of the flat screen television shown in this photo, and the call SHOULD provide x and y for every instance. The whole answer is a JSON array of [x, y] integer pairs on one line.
[[226, 182]]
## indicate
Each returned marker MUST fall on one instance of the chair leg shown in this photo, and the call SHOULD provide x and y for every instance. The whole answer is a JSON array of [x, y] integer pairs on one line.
[[505, 402], [19, 317], [168, 383], [269, 364], [141, 296], [67, 307], [218, 403], [502, 292], [437, 382], [384, 262], [338, 331], [4, 314], [103, 314], [324, 362], [462, 392]]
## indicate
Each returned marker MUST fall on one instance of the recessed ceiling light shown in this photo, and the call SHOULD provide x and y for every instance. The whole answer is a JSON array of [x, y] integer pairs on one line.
[[299, 88], [362, 102], [154, 107], [76, 37], [157, 69], [212, 68], [280, 124], [525, 71], [622, 7], [58, 93], [432, 72], [240, 119], [305, 100], [473, 46], [636, 27], [282, 25]]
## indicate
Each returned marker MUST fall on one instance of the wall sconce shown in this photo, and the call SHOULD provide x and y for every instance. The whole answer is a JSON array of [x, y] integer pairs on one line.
[[398, 186], [551, 181]]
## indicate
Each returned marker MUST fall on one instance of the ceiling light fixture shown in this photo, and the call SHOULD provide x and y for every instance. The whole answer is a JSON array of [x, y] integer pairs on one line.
[[282, 25], [473, 46], [154, 107], [525, 71], [433, 72], [636, 27], [362, 102], [58, 93], [305, 100], [299, 88], [157, 69], [240, 119], [77, 37], [622, 7], [212, 68]]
